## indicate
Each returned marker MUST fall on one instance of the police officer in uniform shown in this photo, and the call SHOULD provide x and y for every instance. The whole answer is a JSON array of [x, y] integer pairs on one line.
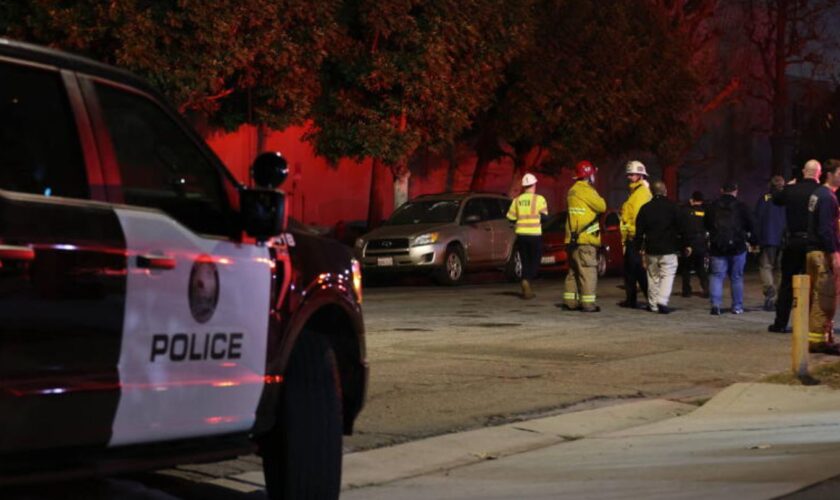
[[527, 211], [794, 197], [639, 195], [695, 259], [583, 238]]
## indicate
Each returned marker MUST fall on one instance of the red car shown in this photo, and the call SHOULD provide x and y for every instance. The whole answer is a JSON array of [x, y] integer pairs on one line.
[[555, 258]]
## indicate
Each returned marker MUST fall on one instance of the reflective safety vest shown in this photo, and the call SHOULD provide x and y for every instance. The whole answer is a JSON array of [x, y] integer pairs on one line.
[[525, 210]]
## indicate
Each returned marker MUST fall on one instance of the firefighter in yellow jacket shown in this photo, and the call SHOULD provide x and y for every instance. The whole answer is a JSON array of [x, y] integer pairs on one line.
[[583, 238], [639, 195], [527, 210]]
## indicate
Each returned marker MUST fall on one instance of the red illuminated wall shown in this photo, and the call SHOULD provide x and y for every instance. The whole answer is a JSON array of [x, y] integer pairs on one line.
[[323, 194]]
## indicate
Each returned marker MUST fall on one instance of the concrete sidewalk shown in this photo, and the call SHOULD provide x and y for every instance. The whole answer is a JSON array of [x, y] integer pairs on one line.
[[750, 441]]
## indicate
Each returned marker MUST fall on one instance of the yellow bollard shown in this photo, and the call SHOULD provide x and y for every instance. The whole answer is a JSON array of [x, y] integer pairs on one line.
[[799, 315]]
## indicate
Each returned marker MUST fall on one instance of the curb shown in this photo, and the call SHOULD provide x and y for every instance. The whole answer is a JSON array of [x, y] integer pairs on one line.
[[384, 465]]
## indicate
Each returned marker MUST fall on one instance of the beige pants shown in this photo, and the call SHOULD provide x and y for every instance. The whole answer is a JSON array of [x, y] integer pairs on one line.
[[660, 273], [582, 280], [824, 287]]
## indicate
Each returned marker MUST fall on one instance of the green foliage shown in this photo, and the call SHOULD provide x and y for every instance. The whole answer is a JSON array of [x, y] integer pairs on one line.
[[235, 61], [411, 72], [601, 79], [381, 78]]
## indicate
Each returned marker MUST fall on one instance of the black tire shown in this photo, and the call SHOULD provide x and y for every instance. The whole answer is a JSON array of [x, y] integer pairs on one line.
[[452, 272], [302, 455], [513, 268]]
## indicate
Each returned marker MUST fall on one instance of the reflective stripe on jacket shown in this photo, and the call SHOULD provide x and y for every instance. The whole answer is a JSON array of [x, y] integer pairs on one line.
[[585, 206], [639, 195], [526, 210]]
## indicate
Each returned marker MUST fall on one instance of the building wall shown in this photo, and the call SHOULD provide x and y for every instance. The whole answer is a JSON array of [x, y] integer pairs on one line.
[[324, 194]]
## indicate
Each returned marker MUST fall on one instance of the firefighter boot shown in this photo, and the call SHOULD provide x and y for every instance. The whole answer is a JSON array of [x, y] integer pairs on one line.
[[527, 293]]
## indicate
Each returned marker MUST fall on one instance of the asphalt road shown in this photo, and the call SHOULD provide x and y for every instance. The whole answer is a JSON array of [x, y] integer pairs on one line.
[[449, 359], [445, 359]]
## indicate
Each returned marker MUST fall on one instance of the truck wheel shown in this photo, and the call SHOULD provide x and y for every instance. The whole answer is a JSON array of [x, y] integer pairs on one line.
[[452, 272], [513, 269], [302, 454]]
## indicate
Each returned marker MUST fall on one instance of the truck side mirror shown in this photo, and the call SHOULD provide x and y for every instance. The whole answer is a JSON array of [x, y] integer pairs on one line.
[[269, 170], [263, 212]]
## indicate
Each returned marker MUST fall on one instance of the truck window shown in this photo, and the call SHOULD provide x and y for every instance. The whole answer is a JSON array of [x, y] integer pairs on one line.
[[39, 143], [161, 166]]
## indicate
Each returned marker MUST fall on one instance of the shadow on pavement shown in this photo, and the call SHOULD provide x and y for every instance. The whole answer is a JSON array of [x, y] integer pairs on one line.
[[139, 487]]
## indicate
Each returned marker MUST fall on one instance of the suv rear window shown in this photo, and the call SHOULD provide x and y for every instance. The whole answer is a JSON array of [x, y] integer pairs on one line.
[[39, 143]]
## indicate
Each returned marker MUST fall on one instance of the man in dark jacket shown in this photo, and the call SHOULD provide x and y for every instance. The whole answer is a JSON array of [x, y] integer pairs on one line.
[[770, 226], [730, 227], [660, 231], [823, 261], [794, 197], [695, 259]]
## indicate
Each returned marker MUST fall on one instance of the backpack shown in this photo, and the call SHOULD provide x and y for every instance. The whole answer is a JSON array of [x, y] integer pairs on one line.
[[728, 236]]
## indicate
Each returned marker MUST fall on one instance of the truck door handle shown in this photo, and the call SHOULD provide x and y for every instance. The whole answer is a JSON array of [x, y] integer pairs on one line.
[[151, 261], [14, 252]]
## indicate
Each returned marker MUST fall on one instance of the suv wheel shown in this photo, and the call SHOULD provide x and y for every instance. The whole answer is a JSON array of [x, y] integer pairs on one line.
[[452, 272], [513, 269], [302, 454]]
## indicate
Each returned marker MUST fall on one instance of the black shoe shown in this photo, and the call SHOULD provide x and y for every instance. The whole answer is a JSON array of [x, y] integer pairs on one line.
[[686, 293], [567, 308], [715, 311], [774, 328], [769, 304], [627, 304], [663, 309], [824, 348]]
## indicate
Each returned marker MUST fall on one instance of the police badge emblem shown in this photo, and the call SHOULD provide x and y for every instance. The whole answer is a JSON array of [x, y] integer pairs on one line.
[[204, 289]]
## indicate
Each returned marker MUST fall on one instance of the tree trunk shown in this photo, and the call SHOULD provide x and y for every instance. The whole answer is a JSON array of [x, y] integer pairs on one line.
[[780, 97], [451, 170], [669, 177], [262, 138], [401, 175], [515, 186], [482, 166], [376, 200]]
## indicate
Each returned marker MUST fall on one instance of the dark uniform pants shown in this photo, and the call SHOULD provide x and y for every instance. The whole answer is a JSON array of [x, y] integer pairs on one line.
[[530, 248], [695, 262], [793, 262], [633, 273]]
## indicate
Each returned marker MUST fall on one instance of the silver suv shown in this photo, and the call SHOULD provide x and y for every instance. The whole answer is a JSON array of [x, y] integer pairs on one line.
[[446, 234]]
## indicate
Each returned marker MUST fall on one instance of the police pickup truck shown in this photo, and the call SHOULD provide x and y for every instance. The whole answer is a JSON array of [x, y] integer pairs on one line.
[[153, 310]]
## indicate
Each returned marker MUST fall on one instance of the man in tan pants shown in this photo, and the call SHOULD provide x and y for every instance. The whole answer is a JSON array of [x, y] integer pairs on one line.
[[823, 261]]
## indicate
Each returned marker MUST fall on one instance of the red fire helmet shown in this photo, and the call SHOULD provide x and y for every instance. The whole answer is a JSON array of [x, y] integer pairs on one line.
[[584, 169]]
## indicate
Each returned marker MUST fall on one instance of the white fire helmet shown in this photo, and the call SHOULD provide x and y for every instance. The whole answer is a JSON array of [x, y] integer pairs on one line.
[[636, 167], [529, 180]]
